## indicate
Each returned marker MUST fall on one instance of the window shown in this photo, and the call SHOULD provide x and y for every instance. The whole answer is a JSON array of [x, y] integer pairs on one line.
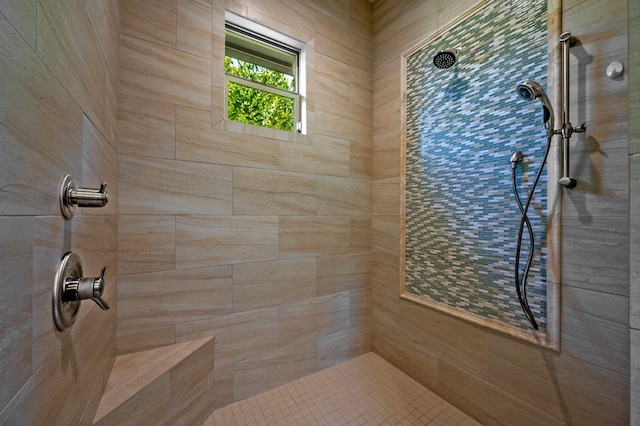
[[263, 78]]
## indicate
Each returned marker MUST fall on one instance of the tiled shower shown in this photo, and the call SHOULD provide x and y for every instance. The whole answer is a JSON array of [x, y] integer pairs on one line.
[[286, 249], [462, 125]]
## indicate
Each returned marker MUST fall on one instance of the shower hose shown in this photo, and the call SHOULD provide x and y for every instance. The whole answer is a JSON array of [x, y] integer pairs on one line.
[[521, 283]]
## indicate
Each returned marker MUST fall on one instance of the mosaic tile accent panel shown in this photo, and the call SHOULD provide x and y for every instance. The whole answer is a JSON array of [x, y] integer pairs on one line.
[[463, 123]]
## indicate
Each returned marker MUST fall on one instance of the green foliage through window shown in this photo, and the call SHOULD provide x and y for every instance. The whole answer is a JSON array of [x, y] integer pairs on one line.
[[255, 106]]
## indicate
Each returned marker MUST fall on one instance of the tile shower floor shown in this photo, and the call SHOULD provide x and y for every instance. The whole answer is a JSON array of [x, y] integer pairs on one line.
[[366, 390]]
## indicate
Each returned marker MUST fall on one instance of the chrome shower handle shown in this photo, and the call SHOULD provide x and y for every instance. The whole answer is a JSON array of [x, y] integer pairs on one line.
[[72, 197], [87, 197], [84, 288], [70, 288]]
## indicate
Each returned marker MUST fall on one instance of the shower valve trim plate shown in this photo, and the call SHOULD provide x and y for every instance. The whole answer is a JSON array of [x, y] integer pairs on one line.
[[70, 288]]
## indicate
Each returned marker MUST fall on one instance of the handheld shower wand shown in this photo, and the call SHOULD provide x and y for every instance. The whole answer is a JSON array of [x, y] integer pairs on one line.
[[530, 91]]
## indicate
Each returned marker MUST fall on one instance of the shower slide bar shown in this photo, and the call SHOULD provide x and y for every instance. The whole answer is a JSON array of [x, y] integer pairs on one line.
[[531, 90], [567, 129]]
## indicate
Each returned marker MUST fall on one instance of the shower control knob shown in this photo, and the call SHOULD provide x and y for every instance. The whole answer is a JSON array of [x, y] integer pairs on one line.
[[70, 288], [614, 69], [72, 197], [85, 289], [86, 197]]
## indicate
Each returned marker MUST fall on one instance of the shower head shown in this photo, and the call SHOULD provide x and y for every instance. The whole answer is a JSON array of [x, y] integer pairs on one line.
[[445, 58], [529, 91]]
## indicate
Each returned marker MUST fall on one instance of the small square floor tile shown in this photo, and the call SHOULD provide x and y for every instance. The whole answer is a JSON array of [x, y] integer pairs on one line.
[[366, 390]]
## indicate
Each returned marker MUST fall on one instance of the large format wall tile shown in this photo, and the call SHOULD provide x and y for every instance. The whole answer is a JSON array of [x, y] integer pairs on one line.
[[343, 345], [68, 46], [238, 335], [257, 191], [360, 234], [22, 14], [413, 359], [197, 141], [602, 172], [341, 196], [634, 79], [334, 123], [98, 156], [148, 339], [163, 74], [480, 399], [104, 18], [194, 28], [34, 97], [327, 156], [222, 240], [255, 375], [635, 373], [257, 285], [343, 272], [634, 190], [467, 348], [153, 21], [343, 44], [294, 18], [360, 313], [526, 372], [634, 249], [158, 300], [159, 186], [147, 127], [385, 197], [146, 243], [595, 328], [596, 257], [313, 235], [48, 248], [306, 319], [16, 322]]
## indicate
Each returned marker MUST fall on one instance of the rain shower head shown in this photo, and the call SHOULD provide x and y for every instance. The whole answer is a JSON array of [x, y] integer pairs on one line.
[[445, 58], [529, 91]]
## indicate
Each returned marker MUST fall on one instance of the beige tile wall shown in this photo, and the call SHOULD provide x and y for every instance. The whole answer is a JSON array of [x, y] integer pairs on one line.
[[634, 190], [493, 377], [58, 115], [272, 253], [257, 237]]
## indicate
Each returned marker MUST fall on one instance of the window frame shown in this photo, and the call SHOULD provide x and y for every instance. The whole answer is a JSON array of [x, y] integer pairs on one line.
[[272, 39]]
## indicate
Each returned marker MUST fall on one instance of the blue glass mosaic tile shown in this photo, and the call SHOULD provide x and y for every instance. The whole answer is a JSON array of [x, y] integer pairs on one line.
[[463, 123]]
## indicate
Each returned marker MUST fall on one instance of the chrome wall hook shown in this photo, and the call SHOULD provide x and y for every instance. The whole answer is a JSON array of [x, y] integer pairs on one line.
[[72, 197], [70, 288]]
